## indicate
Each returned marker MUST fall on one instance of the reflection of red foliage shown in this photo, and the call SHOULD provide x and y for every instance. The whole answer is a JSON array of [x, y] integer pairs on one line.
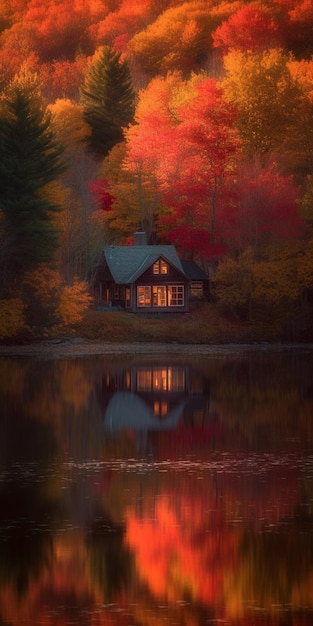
[[187, 539], [182, 549], [100, 482], [186, 437]]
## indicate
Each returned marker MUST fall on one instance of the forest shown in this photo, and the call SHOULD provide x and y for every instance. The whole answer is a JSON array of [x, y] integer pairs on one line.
[[192, 121]]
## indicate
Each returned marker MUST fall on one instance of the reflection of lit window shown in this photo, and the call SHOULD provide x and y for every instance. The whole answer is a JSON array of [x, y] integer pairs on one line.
[[164, 409], [160, 408], [178, 380], [176, 295], [144, 380], [128, 380], [161, 379], [144, 296]]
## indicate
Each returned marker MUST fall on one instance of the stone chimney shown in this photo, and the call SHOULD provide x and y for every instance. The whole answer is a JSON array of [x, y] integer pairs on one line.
[[140, 238]]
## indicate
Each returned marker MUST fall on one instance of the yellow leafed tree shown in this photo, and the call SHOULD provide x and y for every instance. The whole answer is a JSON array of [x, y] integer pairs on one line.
[[267, 97], [74, 302], [11, 318]]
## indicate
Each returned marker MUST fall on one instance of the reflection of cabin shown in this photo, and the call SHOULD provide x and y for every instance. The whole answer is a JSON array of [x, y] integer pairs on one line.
[[145, 278], [160, 388], [152, 397], [128, 410]]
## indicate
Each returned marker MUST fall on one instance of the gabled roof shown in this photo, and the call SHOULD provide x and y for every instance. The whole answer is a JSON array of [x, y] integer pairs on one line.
[[127, 263], [193, 271]]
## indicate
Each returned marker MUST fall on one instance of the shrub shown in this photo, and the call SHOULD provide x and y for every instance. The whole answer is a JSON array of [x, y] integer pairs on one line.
[[12, 319], [74, 302]]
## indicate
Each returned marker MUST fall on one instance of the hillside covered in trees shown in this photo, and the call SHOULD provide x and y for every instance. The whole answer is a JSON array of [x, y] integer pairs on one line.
[[190, 120]]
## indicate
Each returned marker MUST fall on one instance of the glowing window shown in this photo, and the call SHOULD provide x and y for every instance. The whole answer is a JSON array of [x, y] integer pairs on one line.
[[144, 296], [159, 295], [160, 267]]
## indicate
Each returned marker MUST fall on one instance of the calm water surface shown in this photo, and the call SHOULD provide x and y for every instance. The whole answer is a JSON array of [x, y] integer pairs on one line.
[[138, 491]]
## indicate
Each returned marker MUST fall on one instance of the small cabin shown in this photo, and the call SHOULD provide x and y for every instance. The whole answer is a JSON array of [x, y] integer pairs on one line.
[[145, 278]]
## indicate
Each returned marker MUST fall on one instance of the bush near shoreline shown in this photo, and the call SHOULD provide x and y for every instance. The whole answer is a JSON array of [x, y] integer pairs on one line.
[[204, 324]]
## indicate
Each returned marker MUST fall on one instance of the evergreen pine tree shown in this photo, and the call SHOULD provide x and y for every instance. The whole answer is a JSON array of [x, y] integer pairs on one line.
[[30, 158], [108, 100]]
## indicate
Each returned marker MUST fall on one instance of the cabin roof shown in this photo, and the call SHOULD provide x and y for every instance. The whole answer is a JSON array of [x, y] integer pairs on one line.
[[193, 271], [127, 263]]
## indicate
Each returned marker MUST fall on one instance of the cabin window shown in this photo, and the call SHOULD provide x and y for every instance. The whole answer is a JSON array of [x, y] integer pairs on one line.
[[144, 296], [196, 288], [176, 295], [160, 267], [159, 295], [127, 297]]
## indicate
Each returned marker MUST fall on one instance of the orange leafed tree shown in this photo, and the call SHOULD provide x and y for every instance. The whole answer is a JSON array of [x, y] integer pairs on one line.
[[63, 78], [60, 27], [179, 39]]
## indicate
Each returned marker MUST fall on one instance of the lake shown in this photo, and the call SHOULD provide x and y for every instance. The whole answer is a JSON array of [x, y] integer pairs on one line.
[[145, 490]]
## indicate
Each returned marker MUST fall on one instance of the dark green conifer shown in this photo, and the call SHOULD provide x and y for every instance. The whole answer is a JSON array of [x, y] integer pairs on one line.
[[108, 100], [30, 158]]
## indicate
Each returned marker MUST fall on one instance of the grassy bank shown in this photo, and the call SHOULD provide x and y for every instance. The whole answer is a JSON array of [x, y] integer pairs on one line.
[[202, 325]]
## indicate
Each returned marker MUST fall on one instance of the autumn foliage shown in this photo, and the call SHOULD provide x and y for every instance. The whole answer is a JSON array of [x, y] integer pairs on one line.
[[196, 127], [74, 301], [12, 320]]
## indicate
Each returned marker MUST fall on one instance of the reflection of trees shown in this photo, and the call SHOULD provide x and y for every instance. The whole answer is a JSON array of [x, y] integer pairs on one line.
[[178, 555], [62, 595], [58, 393], [26, 507], [110, 561], [275, 571], [263, 399], [231, 539], [190, 544], [25, 542]]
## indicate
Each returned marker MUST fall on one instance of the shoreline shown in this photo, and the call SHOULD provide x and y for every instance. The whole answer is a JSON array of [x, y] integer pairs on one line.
[[66, 348]]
